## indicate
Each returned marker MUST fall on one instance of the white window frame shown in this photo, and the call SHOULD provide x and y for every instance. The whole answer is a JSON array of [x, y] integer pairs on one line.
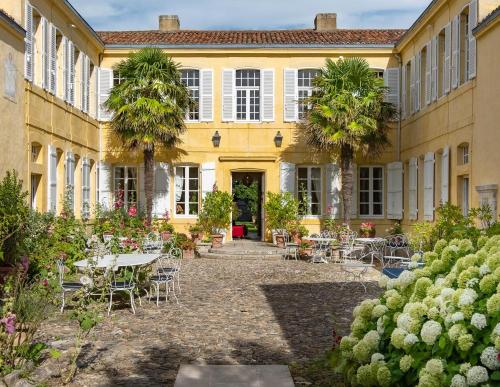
[[125, 184], [191, 90], [308, 90], [370, 191], [247, 90], [186, 201], [308, 215], [465, 195]]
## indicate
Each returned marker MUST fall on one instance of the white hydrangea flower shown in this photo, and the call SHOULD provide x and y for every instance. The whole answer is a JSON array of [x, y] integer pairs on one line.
[[406, 278], [430, 331], [382, 282], [412, 265], [489, 357], [391, 283], [464, 367], [447, 293], [380, 325], [457, 316], [440, 281], [411, 339], [377, 357], [405, 321], [484, 269], [478, 320], [86, 280], [458, 381], [467, 297], [496, 331], [477, 375]]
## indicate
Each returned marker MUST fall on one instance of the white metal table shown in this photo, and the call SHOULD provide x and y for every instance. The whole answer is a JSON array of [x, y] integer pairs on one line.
[[322, 245], [375, 247], [117, 260]]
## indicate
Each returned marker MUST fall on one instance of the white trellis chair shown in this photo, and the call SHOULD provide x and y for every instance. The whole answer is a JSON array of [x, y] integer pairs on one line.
[[66, 287], [122, 280]]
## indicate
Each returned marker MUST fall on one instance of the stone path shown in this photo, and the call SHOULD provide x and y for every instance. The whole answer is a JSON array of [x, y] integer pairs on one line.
[[253, 312]]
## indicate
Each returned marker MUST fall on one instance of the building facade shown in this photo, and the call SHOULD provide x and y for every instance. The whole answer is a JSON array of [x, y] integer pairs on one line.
[[250, 87]]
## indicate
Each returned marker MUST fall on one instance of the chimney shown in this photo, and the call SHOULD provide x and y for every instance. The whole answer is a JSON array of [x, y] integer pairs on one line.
[[169, 23], [325, 22]]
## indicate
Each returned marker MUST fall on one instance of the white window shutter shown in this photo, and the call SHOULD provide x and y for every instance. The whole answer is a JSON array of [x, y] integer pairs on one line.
[[428, 72], [287, 177], [447, 59], [395, 190], [206, 95], [334, 186], [105, 83], [267, 95], [45, 53], [29, 42], [445, 175], [87, 84], [404, 107], [85, 187], [53, 60], [228, 95], [354, 199], [455, 51], [472, 39], [52, 179], [142, 192], [71, 72], [391, 81], [418, 61], [412, 85], [434, 74], [161, 199], [207, 178], [65, 43], [429, 186], [105, 184], [413, 188], [290, 106]]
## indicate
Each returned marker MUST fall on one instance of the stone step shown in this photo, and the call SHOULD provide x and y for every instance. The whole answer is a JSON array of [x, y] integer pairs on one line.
[[251, 257], [235, 251]]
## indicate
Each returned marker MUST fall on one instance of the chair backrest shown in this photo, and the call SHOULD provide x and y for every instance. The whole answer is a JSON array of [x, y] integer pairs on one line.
[[124, 274], [347, 238], [397, 242], [60, 270]]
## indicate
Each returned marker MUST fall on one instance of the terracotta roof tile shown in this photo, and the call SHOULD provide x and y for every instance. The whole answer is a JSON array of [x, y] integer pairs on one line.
[[276, 37]]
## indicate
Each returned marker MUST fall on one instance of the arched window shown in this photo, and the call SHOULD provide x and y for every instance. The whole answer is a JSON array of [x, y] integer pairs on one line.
[[463, 154]]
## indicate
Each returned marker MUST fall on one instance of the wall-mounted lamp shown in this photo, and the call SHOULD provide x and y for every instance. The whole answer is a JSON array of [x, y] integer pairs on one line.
[[216, 139], [278, 139]]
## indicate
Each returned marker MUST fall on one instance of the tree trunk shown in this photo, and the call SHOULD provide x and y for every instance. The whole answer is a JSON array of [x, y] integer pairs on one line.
[[149, 180], [346, 158]]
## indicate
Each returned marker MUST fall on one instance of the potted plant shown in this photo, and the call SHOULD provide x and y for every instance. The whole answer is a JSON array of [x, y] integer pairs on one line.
[[215, 215], [165, 229], [187, 246], [298, 231], [195, 230], [282, 211], [305, 248], [367, 230]]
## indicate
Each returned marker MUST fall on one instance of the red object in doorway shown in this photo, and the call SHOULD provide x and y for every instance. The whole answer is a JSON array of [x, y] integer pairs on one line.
[[238, 231]]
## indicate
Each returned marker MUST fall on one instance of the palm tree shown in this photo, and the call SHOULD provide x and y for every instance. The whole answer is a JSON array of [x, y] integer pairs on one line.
[[348, 116], [149, 107]]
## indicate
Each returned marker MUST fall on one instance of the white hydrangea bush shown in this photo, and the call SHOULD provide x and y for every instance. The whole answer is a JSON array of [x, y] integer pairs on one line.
[[434, 326]]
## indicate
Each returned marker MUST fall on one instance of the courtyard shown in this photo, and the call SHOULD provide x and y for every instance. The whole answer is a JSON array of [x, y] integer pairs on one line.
[[253, 312]]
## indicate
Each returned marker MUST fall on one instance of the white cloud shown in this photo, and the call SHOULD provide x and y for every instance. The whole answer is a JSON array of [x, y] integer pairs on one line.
[[263, 14]]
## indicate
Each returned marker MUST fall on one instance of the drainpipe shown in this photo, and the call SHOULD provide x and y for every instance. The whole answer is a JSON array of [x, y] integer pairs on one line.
[[398, 141]]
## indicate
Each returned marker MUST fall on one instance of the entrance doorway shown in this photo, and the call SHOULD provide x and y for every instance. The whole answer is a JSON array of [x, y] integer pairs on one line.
[[247, 188]]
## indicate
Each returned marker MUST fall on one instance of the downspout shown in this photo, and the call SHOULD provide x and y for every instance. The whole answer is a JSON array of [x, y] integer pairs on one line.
[[398, 142]]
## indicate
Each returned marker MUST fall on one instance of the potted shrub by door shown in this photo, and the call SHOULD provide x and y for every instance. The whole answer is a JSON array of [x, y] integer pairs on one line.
[[282, 211], [195, 231], [166, 230], [215, 215]]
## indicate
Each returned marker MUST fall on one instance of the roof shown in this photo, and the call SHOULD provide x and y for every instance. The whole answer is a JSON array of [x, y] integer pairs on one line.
[[426, 11], [10, 20], [252, 38], [84, 22], [487, 20]]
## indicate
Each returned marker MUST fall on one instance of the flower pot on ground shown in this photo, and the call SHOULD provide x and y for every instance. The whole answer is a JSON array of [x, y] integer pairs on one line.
[[215, 215], [195, 230], [280, 240], [188, 247], [166, 235], [217, 241], [282, 211]]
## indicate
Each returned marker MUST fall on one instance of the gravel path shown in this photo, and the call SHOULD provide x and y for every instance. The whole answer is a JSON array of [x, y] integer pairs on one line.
[[230, 312]]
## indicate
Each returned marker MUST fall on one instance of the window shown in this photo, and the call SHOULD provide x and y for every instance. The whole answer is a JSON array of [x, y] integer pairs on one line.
[[371, 191], [191, 79], [464, 46], [35, 152], [35, 182], [305, 87], [423, 76], [126, 186], [407, 88], [186, 190], [70, 179], [379, 73], [463, 154], [248, 95], [309, 190], [441, 64], [465, 195], [117, 78]]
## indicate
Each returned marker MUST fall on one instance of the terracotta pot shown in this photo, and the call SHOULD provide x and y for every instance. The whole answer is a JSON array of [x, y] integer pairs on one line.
[[195, 236], [296, 238], [166, 235], [217, 241], [306, 252], [372, 233], [280, 241], [188, 253]]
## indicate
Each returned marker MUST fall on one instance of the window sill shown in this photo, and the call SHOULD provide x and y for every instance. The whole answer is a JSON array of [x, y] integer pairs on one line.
[[371, 217], [178, 216]]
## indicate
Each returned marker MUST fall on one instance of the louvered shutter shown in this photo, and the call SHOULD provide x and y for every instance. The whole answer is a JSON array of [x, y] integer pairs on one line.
[[87, 84], [105, 84], [412, 85], [428, 71], [71, 73], [287, 177], [207, 178], [267, 95], [105, 182], [85, 187], [29, 42], [404, 107], [290, 106], [429, 186], [418, 61], [53, 60], [445, 175], [472, 39], [447, 59], [333, 197], [70, 179], [455, 51], [413, 188], [206, 95], [354, 199], [65, 43], [395, 190], [52, 179], [45, 53], [228, 95], [434, 74], [142, 192], [391, 81], [161, 200], [83, 82]]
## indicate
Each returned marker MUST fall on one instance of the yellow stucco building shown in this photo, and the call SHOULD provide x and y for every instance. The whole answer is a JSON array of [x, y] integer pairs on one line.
[[250, 85]]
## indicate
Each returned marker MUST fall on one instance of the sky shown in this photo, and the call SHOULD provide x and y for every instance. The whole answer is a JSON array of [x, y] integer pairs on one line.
[[249, 14]]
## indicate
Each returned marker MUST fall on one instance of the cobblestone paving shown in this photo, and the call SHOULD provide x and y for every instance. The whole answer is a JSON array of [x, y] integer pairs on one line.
[[230, 312]]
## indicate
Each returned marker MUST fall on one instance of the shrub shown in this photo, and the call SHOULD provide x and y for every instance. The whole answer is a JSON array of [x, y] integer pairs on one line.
[[215, 214], [282, 210]]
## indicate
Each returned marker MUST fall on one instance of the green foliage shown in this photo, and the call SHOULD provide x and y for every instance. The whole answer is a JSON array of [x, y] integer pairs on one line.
[[282, 211], [247, 193], [215, 214]]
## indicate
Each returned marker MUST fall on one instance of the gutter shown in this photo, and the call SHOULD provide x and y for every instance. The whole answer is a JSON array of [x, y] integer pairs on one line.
[[419, 19], [87, 25], [487, 21], [398, 136], [251, 46], [12, 23]]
